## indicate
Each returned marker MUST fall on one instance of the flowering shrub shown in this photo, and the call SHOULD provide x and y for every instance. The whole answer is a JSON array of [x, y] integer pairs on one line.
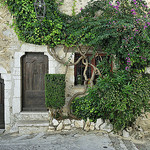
[[121, 30], [115, 97]]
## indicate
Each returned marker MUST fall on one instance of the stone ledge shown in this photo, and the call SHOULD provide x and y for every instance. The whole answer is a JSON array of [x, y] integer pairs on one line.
[[33, 123]]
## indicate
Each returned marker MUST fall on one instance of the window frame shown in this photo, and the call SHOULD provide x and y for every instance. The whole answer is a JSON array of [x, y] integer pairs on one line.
[[93, 62]]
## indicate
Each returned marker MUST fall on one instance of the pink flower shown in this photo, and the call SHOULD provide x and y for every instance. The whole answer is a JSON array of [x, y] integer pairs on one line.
[[134, 13], [145, 27], [127, 68], [110, 4], [148, 23], [81, 9]]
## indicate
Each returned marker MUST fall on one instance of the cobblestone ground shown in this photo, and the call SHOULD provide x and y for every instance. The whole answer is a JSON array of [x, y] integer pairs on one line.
[[69, 141]]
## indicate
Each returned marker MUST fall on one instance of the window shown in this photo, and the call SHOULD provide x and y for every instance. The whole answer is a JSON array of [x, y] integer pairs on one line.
[[79, 68]]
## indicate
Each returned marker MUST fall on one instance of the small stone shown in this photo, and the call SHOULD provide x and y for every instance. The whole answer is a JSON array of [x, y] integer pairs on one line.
[[51, 128], [92, 126], [129, 129], [87, 125], [119, 133], [73, 123], [99, 122], [55, 122], [79, 124], [67, 122], [67, 127], [60, 127], [125, 133], [106, 127]]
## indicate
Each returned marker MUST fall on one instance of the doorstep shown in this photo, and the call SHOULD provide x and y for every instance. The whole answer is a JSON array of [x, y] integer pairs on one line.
[[32, 126]]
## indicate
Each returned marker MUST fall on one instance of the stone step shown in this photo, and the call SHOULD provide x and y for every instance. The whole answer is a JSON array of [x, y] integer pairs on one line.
[[1, 131], [32, 126], [28, 123], [33, 116]]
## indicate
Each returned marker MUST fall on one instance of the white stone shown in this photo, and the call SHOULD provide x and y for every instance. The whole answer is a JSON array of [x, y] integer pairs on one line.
[[16, 71], [6, 77], [52, 71], [17, 88], [125, 134], [33, 48], [16, 105], [7, 94], [17, 55], [72, 123], [106, 127], [7, 85], [51, 128], [92, 126], [99, 122], [68, 127], [55, 122], [7, 114], [67, 122], [87, 125], [79, 124], [59, 127]]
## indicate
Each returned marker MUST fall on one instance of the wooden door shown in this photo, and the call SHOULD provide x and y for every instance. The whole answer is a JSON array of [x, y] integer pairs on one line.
[[2, 124], [34, 68]]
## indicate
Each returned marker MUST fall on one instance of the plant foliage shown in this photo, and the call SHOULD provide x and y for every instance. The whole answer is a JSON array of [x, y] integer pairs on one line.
[[115, 97], [55, 90], [120, 29]]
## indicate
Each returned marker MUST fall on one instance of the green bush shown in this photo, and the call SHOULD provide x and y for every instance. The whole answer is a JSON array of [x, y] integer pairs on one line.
[[117, 98], [55, 90]]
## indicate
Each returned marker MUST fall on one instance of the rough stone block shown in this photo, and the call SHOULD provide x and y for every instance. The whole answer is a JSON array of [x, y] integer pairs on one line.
[[125, 134], [55, 122], [98, 123], [106, 127], [59, 127], [67, 122], [92, 126], [79, 124], [68, 127], [87, 125]]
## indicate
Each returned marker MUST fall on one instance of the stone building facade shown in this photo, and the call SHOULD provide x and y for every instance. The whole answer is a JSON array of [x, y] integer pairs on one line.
[[11, 53]]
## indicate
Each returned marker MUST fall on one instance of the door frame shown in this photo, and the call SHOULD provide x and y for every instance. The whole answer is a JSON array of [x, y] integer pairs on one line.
[[2, 90], [25, 109], [16, 75]]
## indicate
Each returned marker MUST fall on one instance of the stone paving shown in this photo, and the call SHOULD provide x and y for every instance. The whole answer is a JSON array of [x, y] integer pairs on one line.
[[69, 141]]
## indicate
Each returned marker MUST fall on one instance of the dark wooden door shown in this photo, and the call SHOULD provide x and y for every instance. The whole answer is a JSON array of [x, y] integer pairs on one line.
[[2, 124], [34, 68]]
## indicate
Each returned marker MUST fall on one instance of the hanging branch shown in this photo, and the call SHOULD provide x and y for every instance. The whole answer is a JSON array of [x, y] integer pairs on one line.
[[84, 60], [95, 71], [79, 93], [56, 57]]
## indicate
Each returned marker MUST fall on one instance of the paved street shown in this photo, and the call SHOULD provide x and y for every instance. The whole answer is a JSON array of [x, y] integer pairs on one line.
[[69, 141]]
